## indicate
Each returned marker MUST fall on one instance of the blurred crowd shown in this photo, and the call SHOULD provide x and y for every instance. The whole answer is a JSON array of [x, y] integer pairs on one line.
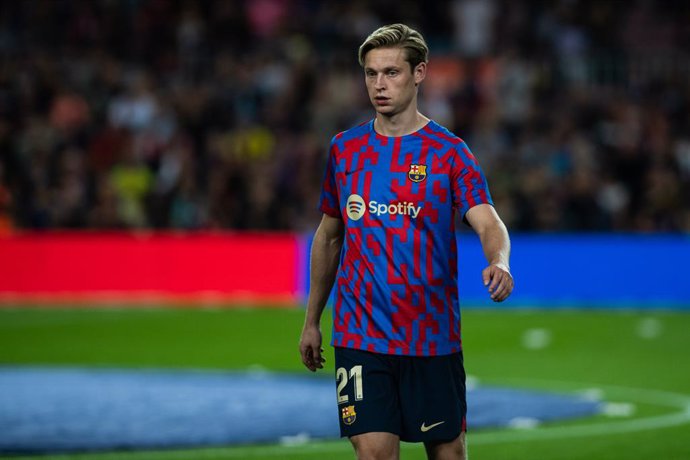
[[150, 114]]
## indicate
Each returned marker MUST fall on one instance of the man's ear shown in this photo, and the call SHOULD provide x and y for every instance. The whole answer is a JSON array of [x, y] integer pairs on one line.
[[419, 73]]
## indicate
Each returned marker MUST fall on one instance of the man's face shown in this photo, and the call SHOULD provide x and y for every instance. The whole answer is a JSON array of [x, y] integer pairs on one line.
[[390, 82]]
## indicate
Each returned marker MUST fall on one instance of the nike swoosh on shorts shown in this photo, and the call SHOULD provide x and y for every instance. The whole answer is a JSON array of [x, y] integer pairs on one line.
[[424, 428]]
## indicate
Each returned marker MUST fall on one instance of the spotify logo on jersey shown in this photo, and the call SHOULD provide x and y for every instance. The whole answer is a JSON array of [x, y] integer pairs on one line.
[[355, 207]]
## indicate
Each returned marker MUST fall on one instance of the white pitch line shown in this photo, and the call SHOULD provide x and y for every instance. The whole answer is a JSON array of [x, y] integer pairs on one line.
[[654, 397]]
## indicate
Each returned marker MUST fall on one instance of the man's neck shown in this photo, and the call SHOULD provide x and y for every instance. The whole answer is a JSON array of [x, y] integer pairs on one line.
[[400, 124]]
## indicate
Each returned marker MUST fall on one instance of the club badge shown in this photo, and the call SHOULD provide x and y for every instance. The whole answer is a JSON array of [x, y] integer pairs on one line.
[[349, 415], [417, 173]]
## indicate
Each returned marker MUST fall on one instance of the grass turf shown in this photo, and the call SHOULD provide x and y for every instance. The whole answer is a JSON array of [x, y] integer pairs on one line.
[[632, 357]]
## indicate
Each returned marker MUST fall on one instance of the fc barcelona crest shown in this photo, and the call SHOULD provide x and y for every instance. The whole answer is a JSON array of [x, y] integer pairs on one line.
[[349, 415], [417, 173]]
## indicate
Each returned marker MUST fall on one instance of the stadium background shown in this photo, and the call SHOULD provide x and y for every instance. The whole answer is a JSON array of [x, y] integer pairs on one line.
[[169, 153]]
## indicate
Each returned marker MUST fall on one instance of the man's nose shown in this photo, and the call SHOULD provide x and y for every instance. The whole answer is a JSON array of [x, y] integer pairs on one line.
[[380, 82]]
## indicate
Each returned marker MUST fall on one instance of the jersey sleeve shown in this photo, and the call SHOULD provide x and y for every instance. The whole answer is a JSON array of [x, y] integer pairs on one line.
[[329, 203], [469, 186]]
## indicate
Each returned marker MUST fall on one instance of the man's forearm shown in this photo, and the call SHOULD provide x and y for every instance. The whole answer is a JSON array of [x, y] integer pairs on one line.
[[496, 244], [325, 256]]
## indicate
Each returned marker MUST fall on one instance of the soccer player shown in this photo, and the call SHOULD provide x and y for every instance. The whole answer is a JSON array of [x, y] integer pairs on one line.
[[392, 190]]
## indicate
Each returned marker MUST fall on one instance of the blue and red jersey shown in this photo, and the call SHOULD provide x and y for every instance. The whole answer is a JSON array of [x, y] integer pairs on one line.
[[396, 289]]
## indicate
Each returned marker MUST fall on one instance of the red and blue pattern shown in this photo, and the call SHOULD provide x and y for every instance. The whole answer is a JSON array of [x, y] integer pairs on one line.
[[396, 289]]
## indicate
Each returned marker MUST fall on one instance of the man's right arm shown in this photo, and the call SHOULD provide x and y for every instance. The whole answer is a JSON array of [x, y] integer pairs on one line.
[[325, 256]]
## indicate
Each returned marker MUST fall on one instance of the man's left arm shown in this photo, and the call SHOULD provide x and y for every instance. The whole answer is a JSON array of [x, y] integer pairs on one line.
[[496, 245]]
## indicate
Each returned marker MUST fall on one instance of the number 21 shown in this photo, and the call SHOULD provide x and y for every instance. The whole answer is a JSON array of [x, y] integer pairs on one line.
[[341, 378]]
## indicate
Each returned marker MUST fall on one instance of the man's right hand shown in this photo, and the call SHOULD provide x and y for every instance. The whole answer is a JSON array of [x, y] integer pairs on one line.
[[310, 348]]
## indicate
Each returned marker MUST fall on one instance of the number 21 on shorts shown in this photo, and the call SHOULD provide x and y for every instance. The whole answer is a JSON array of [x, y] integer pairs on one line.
[[355, 375]]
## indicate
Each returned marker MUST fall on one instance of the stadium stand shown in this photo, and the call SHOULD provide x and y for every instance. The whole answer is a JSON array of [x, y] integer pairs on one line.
[[216, 115]]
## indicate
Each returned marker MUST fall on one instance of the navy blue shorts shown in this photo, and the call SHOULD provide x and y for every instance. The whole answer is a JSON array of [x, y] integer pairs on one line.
[[419, 399]]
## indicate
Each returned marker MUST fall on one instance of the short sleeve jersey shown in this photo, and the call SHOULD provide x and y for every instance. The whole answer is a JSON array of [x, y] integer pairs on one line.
[[396, 288]]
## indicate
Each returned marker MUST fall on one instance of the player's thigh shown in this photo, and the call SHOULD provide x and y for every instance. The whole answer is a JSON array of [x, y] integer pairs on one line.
[[376, 446], [433, 398], [451, 450], [366, 387]]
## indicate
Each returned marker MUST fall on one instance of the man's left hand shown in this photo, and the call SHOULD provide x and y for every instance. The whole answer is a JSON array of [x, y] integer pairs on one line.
[[498, 281]]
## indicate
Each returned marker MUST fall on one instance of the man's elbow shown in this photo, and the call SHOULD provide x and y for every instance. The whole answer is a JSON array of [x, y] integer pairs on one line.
[[335, 241]]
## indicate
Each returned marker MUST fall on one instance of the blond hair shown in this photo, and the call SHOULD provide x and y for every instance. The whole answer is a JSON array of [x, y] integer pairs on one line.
[[396, 35]]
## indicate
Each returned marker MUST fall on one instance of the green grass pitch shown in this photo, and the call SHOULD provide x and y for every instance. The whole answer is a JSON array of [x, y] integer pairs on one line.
[[639, 361]]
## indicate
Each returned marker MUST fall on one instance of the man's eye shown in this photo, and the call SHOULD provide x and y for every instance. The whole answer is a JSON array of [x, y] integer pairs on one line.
[[392, 73]]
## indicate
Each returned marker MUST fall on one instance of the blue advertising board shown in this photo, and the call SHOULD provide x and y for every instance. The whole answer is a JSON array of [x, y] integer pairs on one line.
[[586, 270]]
